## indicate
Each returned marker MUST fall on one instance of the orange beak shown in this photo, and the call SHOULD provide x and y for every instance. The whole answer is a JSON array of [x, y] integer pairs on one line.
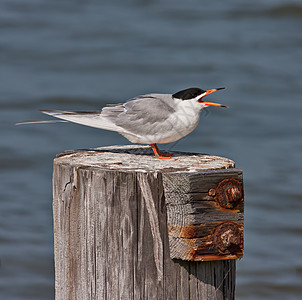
[[211, 103]]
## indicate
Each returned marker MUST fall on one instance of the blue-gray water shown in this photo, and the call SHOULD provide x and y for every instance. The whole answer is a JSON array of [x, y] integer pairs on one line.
[[83, 54]]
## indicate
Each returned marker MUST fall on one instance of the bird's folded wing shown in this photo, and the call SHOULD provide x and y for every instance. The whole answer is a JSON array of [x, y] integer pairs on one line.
[[149, 112]]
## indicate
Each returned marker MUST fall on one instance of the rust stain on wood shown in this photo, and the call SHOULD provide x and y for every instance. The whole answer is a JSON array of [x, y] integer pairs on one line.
[[187, 231], [223, 240], [211, 257]]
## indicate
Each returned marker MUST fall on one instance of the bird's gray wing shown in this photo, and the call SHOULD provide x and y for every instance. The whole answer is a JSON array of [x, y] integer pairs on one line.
[[142, 114]]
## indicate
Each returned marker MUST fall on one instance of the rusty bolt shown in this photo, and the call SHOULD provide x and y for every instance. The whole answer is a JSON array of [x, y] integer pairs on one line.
[[227, 238], [228, 193]]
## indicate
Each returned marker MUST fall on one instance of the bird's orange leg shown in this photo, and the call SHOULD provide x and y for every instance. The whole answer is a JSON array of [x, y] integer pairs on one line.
[[158, 154]]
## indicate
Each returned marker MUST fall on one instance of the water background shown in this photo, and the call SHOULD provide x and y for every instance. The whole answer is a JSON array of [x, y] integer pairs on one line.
[[77, 55]]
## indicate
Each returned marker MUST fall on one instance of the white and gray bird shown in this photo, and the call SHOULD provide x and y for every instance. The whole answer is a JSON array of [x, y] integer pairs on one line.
[[147, 119]]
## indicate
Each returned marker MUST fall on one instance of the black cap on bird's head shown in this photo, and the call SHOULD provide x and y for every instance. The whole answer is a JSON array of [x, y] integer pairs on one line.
[[198, 94]]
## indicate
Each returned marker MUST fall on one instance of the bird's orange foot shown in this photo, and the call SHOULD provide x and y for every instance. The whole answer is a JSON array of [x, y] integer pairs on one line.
[[163, 156], [158, 154]]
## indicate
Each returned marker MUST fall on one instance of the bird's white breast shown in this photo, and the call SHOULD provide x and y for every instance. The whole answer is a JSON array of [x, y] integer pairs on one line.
[[186, 117]]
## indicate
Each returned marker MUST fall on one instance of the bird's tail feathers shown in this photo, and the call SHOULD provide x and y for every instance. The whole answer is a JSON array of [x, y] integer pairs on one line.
[[40, 122], [88, 118]]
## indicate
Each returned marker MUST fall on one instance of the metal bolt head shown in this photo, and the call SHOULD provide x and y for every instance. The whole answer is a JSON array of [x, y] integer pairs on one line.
[[227, 238], [229, 193]]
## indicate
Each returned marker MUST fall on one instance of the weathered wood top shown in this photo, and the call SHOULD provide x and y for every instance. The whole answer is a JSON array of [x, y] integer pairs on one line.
[[141, 158]]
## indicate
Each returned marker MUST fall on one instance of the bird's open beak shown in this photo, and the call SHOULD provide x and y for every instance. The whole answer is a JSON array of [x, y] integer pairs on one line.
[[208, 92]]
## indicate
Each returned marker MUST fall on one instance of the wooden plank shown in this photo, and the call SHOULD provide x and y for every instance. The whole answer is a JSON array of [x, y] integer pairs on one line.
[[198, 182], [112, 231], [193, 214]]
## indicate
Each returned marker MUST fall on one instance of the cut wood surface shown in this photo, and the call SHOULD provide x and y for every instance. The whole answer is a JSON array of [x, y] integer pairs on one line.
[[121, 222], [141, 158]]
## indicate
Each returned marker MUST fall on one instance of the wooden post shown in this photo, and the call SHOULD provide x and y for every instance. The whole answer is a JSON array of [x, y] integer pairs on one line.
[[130, 226]]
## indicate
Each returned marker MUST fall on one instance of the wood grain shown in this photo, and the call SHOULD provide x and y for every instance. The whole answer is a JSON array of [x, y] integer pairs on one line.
[[112, 216]]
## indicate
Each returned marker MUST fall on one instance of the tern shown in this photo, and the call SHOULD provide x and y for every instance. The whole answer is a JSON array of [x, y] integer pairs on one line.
[[147, 119]]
